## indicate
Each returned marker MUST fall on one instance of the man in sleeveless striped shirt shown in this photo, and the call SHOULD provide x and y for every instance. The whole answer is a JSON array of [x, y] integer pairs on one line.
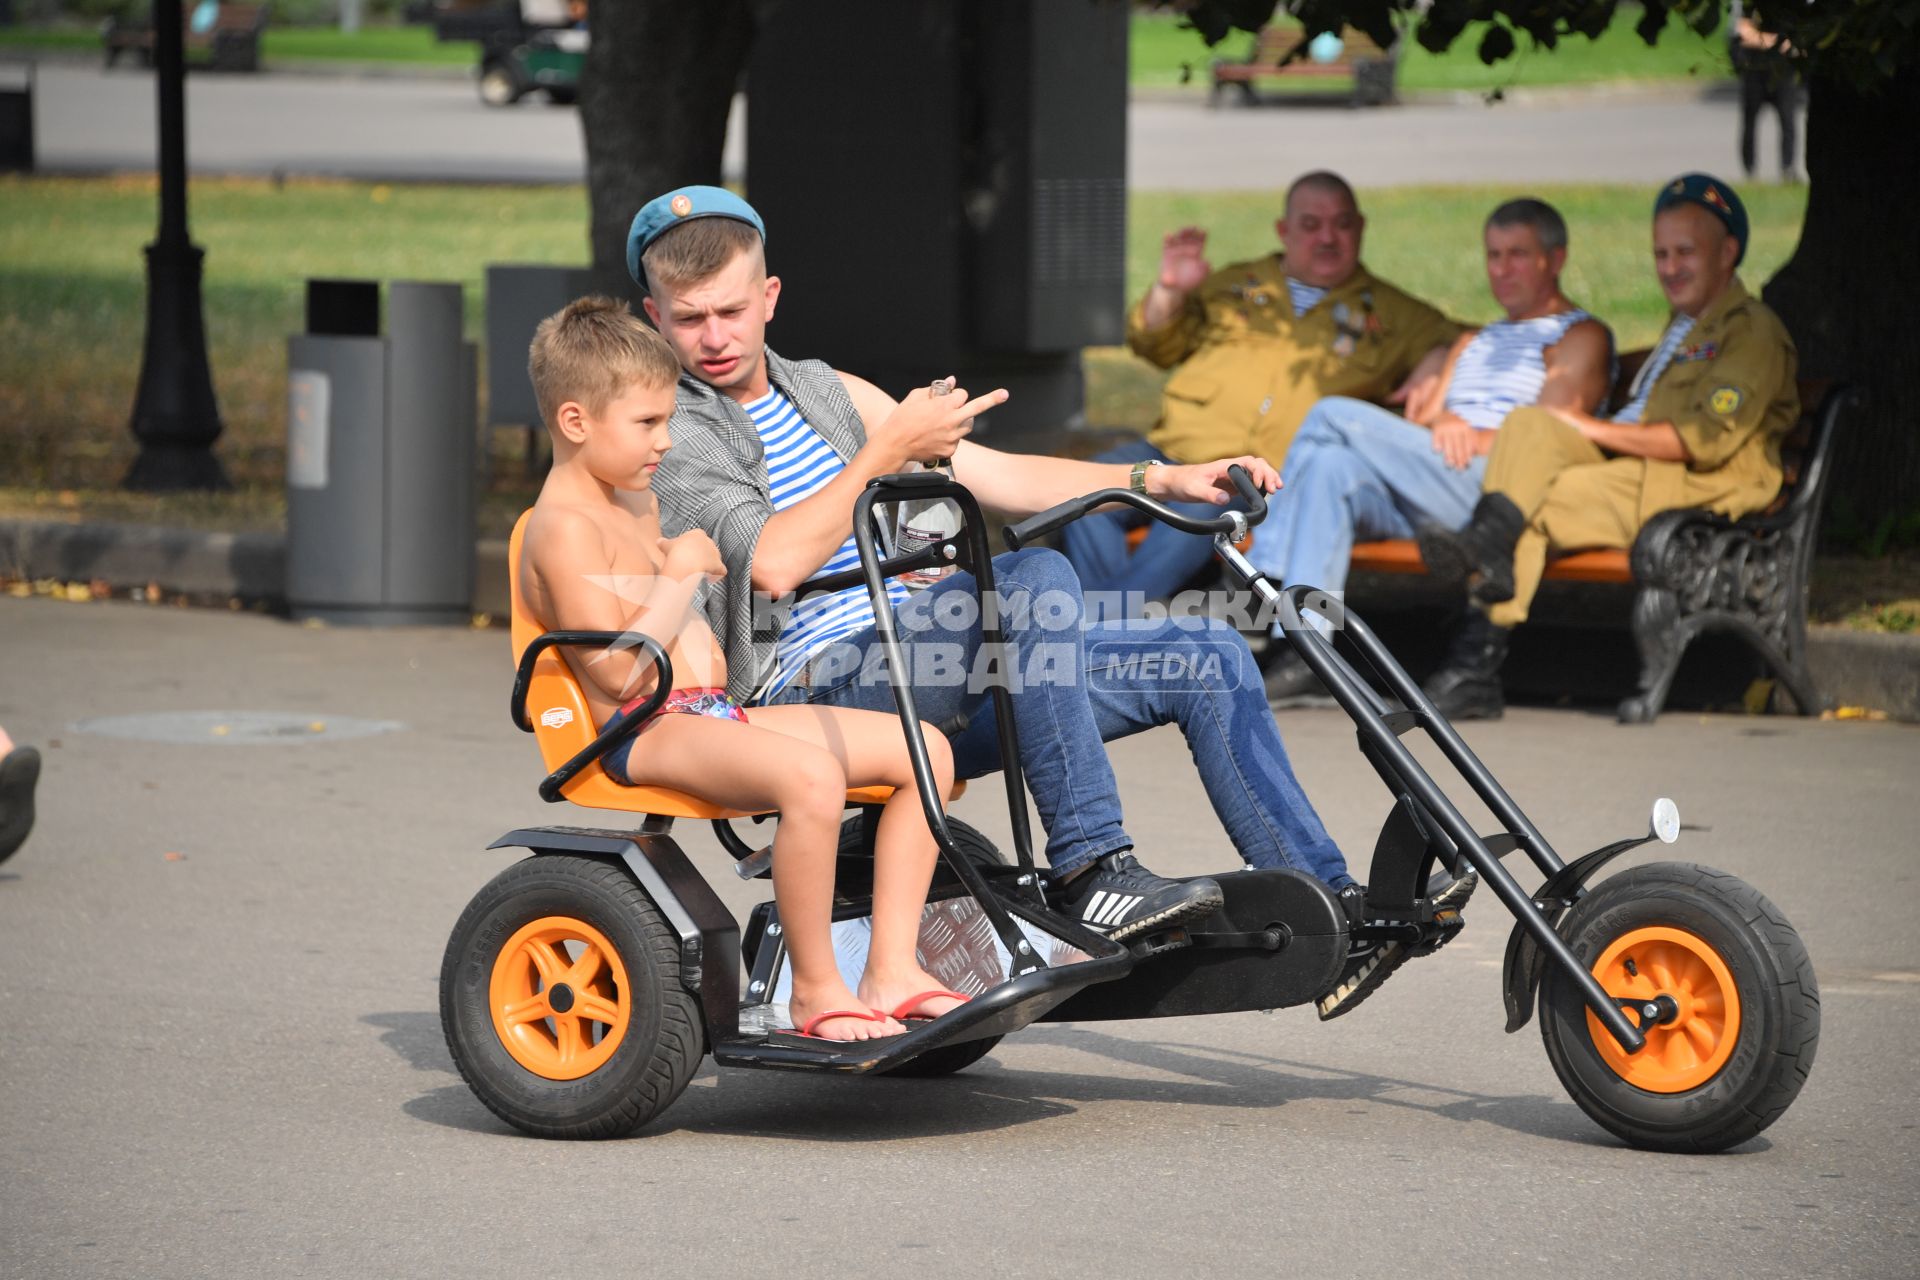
[[770, 455], [1358, 471], [1252, 346], [1702, 427]]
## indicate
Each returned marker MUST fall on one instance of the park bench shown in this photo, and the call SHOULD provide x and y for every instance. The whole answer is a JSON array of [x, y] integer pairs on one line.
[[232, 43], [1280, 52], [1693, 572]]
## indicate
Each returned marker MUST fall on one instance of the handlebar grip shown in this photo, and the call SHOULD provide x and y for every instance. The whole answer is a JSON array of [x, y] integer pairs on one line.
[[1249, 493], [1055, 516]]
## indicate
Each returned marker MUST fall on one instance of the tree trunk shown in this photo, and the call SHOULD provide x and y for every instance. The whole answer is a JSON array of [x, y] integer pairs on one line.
[[1848, 294], [654, 96]]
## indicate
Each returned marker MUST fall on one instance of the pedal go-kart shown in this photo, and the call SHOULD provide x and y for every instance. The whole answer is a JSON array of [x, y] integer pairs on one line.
[[583, 984]]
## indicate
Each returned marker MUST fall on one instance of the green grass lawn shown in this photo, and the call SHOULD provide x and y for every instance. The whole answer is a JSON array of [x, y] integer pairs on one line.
[[72, 295], [285, 44], [72, 285], [1163, 53]]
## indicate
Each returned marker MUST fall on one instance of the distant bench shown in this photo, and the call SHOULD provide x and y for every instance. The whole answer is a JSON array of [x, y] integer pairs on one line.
[[232, 43], [1277, 53]]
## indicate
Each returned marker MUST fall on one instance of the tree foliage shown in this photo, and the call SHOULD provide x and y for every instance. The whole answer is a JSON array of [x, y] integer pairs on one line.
[[1861, 42]]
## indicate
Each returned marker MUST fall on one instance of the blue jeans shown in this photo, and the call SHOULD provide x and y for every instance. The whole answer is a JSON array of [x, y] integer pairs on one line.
[[1109, 569], [1356, 470], [1076, 685]]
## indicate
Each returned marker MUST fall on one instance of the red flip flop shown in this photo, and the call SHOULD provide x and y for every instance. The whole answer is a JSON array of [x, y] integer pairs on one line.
[[865, 1015], [904, 1011]]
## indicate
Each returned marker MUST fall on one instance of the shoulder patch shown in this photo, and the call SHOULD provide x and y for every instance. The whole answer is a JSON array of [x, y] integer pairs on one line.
[[1724, 400]]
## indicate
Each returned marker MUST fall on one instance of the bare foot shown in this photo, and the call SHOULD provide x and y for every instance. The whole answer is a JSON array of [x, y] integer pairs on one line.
[[889, 991], [808, 1003]]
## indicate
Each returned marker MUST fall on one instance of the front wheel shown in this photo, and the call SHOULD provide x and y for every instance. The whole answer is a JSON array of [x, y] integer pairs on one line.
[[1736, 1010], [561, 1000]]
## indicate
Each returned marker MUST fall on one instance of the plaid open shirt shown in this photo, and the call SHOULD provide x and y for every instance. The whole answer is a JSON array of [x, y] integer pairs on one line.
[[715, 478]]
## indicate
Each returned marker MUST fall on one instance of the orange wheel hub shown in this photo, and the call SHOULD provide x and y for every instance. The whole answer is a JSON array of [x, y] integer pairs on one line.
[[560, 1010], [1687, 1050]]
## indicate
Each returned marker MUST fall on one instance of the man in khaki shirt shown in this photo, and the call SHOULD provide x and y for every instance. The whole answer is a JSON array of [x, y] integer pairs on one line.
[[1702, 428], [1256, 344]]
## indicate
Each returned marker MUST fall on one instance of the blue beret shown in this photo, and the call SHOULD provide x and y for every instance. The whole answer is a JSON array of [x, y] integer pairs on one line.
[[1711, 194], [683, 204]]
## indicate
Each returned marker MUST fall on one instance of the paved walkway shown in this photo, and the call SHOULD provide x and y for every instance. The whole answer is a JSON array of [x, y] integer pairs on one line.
[[410, 129], [221, 1053]]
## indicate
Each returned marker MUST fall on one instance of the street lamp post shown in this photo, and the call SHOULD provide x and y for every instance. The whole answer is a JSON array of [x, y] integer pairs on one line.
[[174, 414]]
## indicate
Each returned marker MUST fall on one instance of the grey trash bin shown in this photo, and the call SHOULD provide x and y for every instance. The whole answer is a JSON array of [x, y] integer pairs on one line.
[[381, 435]]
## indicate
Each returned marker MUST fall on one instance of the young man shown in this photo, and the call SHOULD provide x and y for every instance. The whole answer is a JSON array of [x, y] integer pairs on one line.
[[1253, 346], [1357, 470], [771, 456], [1702, 428]]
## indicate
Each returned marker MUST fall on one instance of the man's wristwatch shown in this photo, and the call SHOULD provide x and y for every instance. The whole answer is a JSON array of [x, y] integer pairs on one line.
[[1137, 478]]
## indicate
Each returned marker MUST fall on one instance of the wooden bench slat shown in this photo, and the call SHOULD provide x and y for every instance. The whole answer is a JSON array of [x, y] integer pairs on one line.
[[1402, 555]]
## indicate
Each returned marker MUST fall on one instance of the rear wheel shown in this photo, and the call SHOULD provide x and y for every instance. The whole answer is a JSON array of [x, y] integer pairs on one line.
[[1735, 1009], [561, 1000]]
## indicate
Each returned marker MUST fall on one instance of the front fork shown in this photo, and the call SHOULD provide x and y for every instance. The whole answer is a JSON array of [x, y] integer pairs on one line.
[[1380, 729]]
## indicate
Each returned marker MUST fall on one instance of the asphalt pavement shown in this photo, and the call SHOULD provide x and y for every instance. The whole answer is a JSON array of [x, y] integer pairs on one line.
[[222, 1054], [397, 129]]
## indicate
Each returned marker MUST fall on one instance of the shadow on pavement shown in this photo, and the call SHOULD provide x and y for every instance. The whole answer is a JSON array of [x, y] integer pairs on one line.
[[992, 1096]]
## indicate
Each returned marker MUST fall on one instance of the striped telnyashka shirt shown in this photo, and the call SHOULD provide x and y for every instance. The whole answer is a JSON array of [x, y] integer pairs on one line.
[[799, 464], [1656, 364], [1504, 367], [1305, 296]]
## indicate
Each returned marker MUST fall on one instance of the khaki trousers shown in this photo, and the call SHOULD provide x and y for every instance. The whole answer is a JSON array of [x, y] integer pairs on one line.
[[1572, 494]]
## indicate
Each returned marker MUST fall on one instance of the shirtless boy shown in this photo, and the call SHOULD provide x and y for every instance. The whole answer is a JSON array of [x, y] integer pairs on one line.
[[593, 558]]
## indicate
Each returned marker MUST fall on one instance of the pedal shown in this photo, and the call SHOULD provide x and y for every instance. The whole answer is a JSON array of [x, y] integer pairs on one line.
[[755, 865], [1154, 944], [1446, 923]]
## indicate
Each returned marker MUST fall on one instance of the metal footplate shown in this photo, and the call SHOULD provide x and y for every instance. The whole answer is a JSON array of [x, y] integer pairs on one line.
[[959, 946]]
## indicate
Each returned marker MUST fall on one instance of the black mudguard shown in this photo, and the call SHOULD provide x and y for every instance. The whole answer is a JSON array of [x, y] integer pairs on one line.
[[1520, 974], [709, 935]]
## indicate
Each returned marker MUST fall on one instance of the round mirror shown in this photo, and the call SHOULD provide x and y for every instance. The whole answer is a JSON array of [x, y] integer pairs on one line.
[[1666, 820]]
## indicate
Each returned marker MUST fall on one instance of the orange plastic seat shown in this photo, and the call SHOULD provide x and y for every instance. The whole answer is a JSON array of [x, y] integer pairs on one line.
[[563, 725]]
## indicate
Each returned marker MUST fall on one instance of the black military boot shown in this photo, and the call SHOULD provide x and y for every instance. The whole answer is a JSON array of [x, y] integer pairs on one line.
[[1483, 550], [1467, 685]]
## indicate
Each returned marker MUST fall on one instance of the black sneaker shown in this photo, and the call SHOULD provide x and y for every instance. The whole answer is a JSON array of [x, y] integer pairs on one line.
[[1371, 962], [1291, 682], [1122, 899]]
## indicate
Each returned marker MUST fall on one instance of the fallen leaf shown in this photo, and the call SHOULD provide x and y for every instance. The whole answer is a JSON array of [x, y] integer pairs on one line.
[[171, 856], [220, 730], [20, 590], [481, 621], [99, 588]]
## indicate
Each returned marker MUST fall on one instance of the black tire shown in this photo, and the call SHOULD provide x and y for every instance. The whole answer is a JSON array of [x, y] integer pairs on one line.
[[501, 85], [947, 1059], [656, 1053], [1768, 1052]]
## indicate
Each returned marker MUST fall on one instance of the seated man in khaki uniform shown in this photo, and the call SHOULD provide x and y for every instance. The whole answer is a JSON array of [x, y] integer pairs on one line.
[[1701, 428], [1257, 344]]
